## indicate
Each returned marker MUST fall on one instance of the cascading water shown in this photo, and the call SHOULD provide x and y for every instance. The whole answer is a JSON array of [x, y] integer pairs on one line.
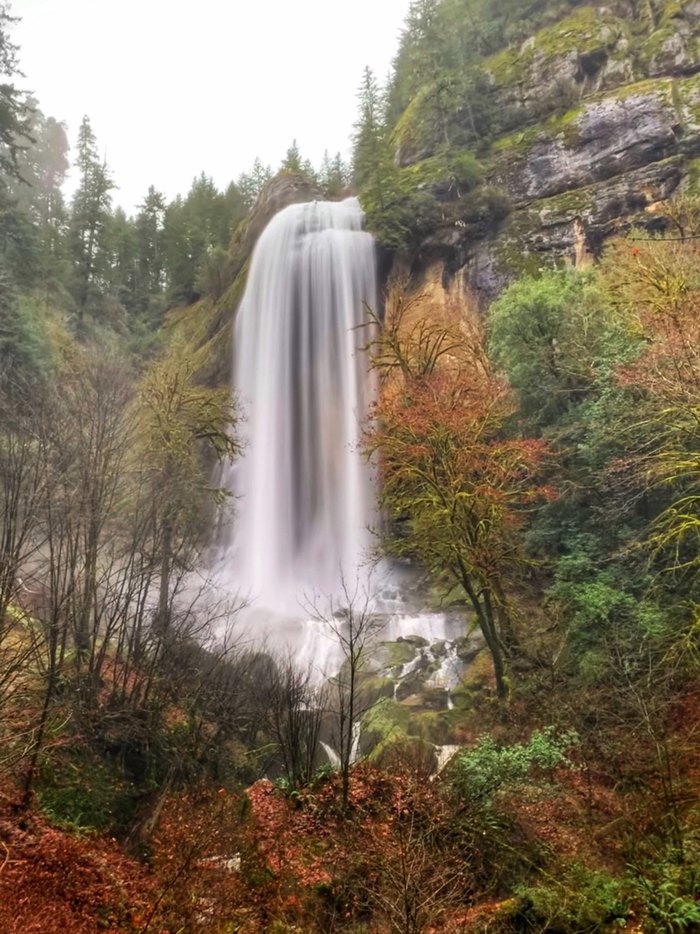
[[304, 498]]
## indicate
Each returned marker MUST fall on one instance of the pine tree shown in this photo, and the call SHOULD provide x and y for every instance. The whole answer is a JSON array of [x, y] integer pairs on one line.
[[89, 221], [149, 232], [334, 175], [37, 195], [250, 184], [292, 161], [373, 164], [15, 111]]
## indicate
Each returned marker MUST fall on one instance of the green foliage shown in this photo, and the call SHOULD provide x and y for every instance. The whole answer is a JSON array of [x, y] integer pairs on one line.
[[481, 771], [334, 176], [409, 203], [81, 791], [440, 93], [15, 110], [23, 338], [193, 229], [250, 184], [555, 338], [603, 615], [293, 164], [577, 901], [670, 893]]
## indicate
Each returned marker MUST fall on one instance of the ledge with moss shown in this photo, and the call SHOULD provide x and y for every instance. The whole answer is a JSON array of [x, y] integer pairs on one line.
[[587, 51], [608, 136]]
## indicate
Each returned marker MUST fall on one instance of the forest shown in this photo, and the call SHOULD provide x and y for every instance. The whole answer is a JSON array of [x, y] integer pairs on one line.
[[538, 459]]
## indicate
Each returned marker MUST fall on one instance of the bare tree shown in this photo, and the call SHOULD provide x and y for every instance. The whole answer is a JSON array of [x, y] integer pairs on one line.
[[353, 623], [296, 713], [417, 879], [22, 479]]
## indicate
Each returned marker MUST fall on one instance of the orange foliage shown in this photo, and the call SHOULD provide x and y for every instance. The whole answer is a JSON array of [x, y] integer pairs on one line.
[[52, 881]]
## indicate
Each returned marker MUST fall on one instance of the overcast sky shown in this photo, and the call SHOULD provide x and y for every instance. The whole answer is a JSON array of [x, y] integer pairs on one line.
[[174, 88]]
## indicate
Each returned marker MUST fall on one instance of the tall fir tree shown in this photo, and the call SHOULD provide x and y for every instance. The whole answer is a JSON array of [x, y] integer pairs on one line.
[[372, 158], [89, 222]]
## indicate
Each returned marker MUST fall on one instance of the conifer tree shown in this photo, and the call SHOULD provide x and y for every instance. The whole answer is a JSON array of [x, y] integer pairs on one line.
[[373, 166], [89, 221], [37, 194], [292, 161], [149, 232], [334, 175], [15, 111], [250, 184]]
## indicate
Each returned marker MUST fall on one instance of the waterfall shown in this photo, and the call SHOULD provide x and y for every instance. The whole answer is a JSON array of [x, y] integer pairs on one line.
[[303, 493]]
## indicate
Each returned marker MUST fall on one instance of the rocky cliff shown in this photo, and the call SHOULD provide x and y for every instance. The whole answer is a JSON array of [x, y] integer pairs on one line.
[[601, 112]]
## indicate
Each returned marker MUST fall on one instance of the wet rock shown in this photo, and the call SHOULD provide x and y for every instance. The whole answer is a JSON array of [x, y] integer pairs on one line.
[[417, 641]]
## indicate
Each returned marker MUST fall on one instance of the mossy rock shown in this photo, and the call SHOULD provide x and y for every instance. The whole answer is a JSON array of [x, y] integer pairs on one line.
[[431, 725], [375, 687], [384, 720], [396, 654], [400, 752], [587, 30], [477, 678], [692, 180]]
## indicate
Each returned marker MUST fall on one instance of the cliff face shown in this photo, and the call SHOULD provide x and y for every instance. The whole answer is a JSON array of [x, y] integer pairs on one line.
[[602, 111]]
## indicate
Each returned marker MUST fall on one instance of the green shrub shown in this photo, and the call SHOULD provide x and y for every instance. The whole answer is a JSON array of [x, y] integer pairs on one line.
[[578, 901], [479, 772], [669, 893], [80, 792]]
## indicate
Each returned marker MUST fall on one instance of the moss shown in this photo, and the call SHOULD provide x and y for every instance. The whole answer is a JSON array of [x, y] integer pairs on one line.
[[683, 95], [693, 177], [585, 30], [558, 125], [513, 258], [458, 169], [687, 96], [399, 653], [430, 725], [397, 752], [377, 687], [384, 719], [405, 133], [81, 792]]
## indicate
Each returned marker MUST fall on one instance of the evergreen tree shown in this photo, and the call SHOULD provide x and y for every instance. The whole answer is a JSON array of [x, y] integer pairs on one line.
[[334, 175], [236, 208], [373, 164], [150, 247], [250, 184], [15, 112], [292, 161], [195, 228], [123, 272], [37, 194], [89, 222]]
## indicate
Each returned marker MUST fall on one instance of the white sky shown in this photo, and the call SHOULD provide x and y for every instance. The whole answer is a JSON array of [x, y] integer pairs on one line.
[[173, 88]]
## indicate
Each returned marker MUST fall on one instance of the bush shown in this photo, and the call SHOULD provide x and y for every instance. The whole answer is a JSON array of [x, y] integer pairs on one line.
[[579, 901], [83, 793], [479, 772]]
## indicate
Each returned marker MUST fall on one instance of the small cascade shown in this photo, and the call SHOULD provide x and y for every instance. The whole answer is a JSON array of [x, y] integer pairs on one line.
[[334, 758], [303, 492]]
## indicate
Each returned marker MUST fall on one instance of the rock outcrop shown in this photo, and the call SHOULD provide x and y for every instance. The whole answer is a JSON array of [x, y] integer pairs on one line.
[[603, 113]]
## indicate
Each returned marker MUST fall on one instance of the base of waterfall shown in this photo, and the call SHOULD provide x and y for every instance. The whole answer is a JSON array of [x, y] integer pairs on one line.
[[434, 644], [419, 663]]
